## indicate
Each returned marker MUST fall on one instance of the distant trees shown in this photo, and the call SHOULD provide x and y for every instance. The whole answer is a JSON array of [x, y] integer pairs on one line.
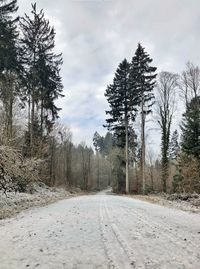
[[86, 160], [167, 85], [98, 142]]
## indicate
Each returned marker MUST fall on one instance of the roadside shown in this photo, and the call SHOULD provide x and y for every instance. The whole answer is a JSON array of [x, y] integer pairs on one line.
[[13, 203], [185, 202]]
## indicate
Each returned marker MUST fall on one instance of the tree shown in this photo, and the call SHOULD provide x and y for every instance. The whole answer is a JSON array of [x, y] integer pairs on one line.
[[98, 144], [10, 67], [174, 147], [191, 129], [142, 81], [190, 83], [9, 34], [86, 154], [122, 102], [42, 73], [166, 95]]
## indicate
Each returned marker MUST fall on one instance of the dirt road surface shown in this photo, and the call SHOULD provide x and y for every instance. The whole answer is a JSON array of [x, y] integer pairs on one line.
[[101, 231]]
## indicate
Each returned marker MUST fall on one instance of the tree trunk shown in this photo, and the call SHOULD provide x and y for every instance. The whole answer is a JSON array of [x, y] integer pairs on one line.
[[143, 147], [32, 125], [52, 162], [41, 117], [126, 154], [8, 103], [10, 117], [98, 180]]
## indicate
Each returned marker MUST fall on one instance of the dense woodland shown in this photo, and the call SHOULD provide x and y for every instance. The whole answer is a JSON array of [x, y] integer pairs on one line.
[[34, 146]]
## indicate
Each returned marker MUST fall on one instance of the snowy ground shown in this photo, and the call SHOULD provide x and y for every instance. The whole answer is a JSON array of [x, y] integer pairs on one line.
[[101, 231], [186, 202], [14, 203]]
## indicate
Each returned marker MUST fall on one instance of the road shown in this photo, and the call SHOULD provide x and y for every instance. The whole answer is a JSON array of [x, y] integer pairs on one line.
[[101, 231]]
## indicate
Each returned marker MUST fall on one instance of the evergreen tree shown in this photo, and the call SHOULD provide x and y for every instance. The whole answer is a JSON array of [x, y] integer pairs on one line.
[[9, 34], [122, 102], [107, 144], [191, 129], [43, 83], [98, 142], [142, 81], [174, 147], [10, 67]]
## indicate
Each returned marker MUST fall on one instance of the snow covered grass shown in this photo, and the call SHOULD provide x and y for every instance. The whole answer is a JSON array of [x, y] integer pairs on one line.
[[41, 195], [186, 202]]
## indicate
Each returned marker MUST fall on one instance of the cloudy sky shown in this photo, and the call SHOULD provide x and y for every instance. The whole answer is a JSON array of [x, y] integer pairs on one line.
[[95, 35]]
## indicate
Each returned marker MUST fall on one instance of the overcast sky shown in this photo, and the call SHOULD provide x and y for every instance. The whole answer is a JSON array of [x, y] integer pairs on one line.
[[95, 35]]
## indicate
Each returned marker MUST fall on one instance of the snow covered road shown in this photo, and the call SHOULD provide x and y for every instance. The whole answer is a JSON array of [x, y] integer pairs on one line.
[[101, 231]]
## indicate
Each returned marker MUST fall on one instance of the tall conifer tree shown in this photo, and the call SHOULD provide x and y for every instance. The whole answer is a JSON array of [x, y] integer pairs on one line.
[[43, 83], [122, 106], [142, 80], [9, 64]]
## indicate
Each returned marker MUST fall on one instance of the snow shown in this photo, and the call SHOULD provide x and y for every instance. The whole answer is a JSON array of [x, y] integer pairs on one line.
[[186, 202], [14, 203], [101, 231]]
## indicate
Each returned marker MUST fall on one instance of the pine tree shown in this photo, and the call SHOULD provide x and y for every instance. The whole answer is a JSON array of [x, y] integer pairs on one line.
[[98, 142], [98, 145], [43, 83], [142, 81], [174, 147], [107, 144], [10, 67], [122, 106], [191, 129], [9, 34]]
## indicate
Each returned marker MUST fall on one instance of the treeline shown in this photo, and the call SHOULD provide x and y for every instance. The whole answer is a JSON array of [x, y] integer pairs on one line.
[[77, 165], [138, 94], [33, 145]]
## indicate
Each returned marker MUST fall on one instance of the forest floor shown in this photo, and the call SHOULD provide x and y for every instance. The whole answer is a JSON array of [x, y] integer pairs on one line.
[[13, 203], [186, 202]]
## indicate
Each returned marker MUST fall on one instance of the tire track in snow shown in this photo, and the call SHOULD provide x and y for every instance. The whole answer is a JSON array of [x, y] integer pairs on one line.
[[122, 242], [102, 231], [167, 232], [115, 249], [165, 240]]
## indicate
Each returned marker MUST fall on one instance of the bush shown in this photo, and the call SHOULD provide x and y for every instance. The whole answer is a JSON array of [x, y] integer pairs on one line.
[[16, 173], [187, 178]]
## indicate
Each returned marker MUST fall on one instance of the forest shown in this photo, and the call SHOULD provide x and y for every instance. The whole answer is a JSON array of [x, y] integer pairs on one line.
[[36, 147]]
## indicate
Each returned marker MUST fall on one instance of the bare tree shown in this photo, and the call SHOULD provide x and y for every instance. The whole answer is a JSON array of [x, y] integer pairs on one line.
[[167, 84], [60, 155], [190, 83], [86, 156]]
